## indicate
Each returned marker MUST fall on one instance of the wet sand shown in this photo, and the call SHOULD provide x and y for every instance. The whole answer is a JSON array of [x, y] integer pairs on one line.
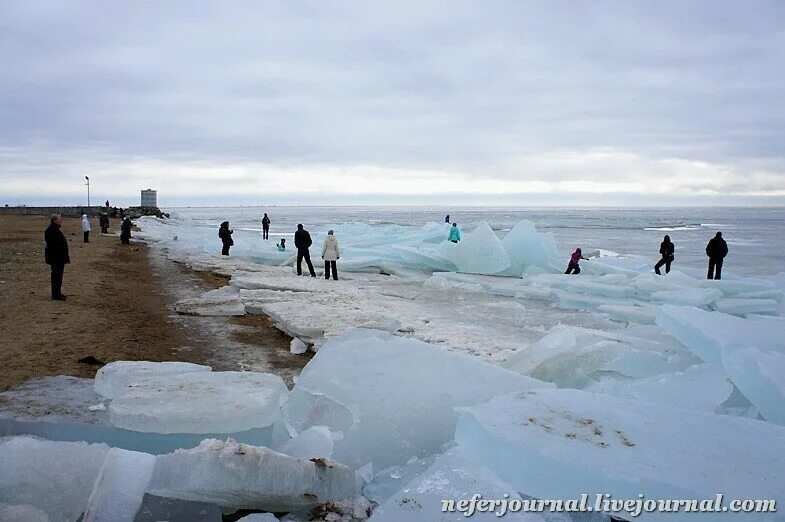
[[119, 307]]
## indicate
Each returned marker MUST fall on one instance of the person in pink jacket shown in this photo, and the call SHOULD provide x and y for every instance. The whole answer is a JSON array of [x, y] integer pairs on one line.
[[572, 266]]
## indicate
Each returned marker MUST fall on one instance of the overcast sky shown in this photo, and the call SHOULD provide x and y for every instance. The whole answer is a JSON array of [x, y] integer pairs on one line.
[[422, 102]]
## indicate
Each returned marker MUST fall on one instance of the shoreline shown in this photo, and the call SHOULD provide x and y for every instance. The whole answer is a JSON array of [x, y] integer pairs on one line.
[[120, 307]]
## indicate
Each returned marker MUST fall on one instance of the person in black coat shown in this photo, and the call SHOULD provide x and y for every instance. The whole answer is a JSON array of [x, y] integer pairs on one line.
[[717, 249], [302, 240], [226, 237], [265, 227], [56, 255], [125, 231], [666, 250]]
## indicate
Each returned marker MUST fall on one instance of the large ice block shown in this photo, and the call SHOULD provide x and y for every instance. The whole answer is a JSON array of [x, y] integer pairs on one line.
[[568, 355], [561, 443], [120, 487], [700, 387], [527, 247], [480, 252], [56, 477], [316, 441], [752, 352], [111, 379], [390, 397], [240, 476], [199, 402], [453, 476]]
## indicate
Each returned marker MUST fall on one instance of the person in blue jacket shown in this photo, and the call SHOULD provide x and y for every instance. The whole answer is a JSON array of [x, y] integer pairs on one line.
[[455, 234]]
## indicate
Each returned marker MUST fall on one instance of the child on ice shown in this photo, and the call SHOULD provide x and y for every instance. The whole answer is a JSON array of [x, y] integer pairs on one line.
[[574, 260]]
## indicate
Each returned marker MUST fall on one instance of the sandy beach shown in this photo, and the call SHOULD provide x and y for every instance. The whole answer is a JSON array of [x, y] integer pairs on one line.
[[119, 308]]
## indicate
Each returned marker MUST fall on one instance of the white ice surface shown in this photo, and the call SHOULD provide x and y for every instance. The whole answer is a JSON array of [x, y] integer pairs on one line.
[[455, 475], [56, 477], [752, 352], [559, 443], [199, 402], [120, 487], [112, 378], [241, 476], [316, 441], [389, 397]]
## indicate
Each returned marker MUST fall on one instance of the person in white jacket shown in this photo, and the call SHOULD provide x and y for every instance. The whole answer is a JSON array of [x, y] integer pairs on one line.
[[86, 228], [330, 253]]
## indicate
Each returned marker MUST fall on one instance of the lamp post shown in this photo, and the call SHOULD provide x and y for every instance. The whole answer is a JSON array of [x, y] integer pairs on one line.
[[88, 191]]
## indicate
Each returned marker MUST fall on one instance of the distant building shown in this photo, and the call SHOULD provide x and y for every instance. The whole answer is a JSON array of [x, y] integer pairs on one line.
[[150, 198]]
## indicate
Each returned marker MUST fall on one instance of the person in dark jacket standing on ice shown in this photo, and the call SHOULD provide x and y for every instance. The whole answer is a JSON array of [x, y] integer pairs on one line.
[[447, 218], [575, 258], [226, 237], [302, 240], [56, 255], [265, 227], [717, 249], [666, 250]]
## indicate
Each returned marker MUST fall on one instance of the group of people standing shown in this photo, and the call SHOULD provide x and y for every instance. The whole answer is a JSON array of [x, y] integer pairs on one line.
[[716, 251], [331, 252], [56, 246]]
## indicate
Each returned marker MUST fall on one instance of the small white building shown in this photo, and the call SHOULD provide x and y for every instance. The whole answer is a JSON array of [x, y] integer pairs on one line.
[[150, 198]]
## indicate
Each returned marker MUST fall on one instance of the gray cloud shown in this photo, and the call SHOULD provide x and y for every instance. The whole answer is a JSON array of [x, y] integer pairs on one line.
[[472, 89]]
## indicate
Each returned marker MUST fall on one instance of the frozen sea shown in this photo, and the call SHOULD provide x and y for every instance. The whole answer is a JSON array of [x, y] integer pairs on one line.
[[755, 235]]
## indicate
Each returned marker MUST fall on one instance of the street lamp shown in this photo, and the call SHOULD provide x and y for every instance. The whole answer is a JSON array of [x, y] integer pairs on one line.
[[88, 191]]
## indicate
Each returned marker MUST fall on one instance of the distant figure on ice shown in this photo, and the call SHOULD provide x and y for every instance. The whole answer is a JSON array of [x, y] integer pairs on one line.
[[572, 266], [125, 231], [226, 237], [447, 218], [330, 253], [302, 240], [103, 220], [86, 228], [265, 227], [666, 249], [281, 246], [56, 255], [455, 234], [107, 203], [717, 249]]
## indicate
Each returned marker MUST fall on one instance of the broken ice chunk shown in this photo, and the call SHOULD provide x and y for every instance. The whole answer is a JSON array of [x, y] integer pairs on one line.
[[390, 397], [240, 476], [527, 247], [111, 380], [56, 477], [480, 252], [555, 443], [199, 402], [316, 441], [452, 477], [297, 346], [119, 489]]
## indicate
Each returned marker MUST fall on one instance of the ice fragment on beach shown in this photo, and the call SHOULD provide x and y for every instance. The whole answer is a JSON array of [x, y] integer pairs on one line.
[[553, 443], [111, 380], [297, 346], [56, 477], [240, 476], [390, 397], [120, 487], [200, 402]]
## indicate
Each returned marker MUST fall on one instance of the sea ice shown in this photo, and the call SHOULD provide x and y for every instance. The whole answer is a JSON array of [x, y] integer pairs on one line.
[[297, 346], [744, 307], [390, 397], [22, 513], [111, 379], [240, 476], [258, 517], [526, 248], [199, 402], [453, 476], [700, 387], [556, 443], [120, 487], [56, 477], [316, 441], [480, 252], [751, 352], [158, 509]]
